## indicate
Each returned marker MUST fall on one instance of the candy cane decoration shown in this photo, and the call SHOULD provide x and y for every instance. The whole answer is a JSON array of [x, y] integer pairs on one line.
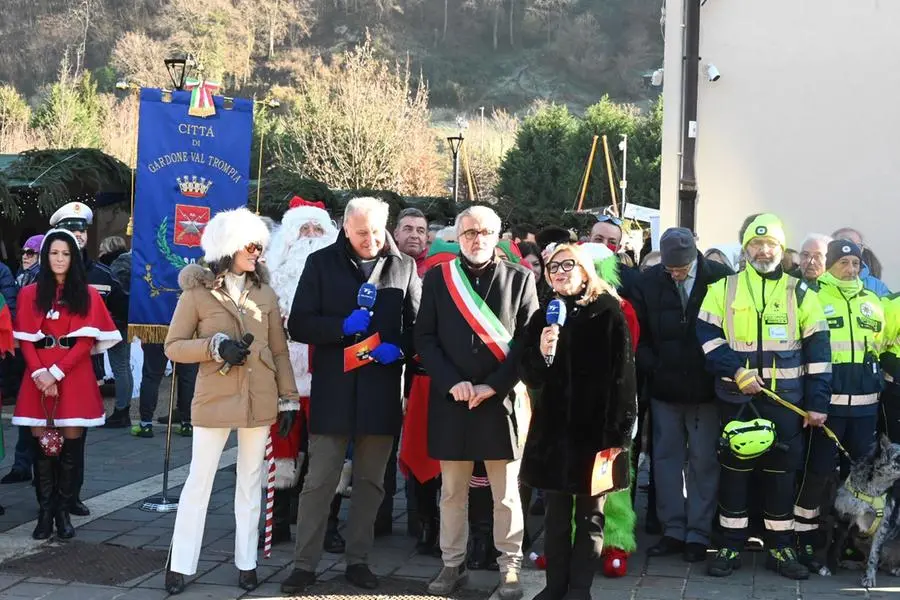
[[270, 497]]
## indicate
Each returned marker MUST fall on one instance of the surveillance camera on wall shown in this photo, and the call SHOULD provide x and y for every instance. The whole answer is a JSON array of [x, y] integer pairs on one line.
[[712, 72]]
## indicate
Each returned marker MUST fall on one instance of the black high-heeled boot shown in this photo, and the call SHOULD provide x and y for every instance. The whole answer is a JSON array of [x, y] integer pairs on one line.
[[66, 486], [45, 486]]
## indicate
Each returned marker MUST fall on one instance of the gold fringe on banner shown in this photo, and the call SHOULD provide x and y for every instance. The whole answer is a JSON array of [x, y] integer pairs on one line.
[[149, 334]]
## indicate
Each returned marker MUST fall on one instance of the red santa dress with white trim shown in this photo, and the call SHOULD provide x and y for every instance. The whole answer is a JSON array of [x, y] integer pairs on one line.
[[79, 403]]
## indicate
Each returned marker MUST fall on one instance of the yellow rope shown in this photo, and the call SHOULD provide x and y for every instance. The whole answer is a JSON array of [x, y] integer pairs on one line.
[[796, 409]]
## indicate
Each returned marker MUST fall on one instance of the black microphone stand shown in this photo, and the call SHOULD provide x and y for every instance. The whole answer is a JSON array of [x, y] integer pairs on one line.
[[164, 503]]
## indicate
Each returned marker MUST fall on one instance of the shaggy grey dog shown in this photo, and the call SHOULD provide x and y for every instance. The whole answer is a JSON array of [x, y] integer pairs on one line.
[[873, 476]]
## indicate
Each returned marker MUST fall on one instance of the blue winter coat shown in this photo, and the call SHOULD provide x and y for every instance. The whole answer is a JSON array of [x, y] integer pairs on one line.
[[872, 283]]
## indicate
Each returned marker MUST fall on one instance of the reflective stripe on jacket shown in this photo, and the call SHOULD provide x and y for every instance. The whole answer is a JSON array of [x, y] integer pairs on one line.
[[773, 325], [857, 327]]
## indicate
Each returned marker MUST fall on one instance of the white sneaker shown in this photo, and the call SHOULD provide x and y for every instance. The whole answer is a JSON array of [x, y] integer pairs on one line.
[[510, 588]]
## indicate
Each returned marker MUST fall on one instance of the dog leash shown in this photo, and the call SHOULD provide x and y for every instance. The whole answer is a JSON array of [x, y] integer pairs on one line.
[[796, 409]]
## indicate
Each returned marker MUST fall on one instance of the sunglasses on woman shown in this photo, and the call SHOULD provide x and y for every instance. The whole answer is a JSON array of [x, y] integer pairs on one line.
[[566, 265], [253, 247], [29, 252]]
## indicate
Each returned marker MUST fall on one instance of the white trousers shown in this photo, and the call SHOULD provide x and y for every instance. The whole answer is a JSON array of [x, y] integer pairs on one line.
[[190, 521]]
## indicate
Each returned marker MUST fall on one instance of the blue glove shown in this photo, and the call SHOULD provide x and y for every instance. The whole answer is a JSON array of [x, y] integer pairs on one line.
[[357, 322], [386, 353]]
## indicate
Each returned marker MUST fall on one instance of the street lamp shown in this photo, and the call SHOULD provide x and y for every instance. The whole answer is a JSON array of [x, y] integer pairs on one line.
[[178, 70], [455, 144]]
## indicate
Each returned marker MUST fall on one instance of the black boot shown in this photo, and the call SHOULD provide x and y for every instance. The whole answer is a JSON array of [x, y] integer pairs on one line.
[[428, 525], [45, 485], [426, 543], [334, 543], [281, 524], [76, 506], [482, 555], [67, 484], [119, 419]]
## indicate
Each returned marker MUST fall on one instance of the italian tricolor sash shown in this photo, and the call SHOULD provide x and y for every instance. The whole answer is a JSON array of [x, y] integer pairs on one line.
[[477, 314]]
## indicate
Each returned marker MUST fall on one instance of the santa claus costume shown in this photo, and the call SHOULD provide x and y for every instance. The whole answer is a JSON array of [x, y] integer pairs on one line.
[[305, 228], [59, 340]]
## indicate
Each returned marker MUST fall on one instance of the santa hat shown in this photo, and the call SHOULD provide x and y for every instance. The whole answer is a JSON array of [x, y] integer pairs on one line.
[[302, 211], [231, 230]]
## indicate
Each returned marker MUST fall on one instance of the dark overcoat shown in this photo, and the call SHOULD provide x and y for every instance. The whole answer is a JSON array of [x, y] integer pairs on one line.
[[368, 400], [451, 352], [586, 400], [668, 352]]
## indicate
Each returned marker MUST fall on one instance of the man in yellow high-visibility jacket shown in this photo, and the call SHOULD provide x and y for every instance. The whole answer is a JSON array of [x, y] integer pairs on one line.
[[763, 328], [856, 321]]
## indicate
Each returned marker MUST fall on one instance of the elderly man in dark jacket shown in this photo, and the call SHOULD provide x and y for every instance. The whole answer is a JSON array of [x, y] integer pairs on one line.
[[474, 312], [356, 393], [667, 299]]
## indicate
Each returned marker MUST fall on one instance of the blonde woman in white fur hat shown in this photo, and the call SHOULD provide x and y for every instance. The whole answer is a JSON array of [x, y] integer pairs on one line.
[[238, 385]]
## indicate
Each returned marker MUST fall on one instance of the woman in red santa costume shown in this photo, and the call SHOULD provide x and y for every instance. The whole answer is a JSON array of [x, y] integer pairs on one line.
[[305, 228], [60, 322]]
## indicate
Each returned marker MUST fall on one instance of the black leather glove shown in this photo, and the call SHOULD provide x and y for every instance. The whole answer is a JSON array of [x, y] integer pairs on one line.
[[233, 352], [286, 422]]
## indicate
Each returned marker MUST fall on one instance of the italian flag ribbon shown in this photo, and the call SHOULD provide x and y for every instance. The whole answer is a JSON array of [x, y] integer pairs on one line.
[[477, 314], [202, 104]]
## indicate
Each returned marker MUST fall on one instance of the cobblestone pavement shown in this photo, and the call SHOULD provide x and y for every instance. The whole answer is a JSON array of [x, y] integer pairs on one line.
[[119, 468]]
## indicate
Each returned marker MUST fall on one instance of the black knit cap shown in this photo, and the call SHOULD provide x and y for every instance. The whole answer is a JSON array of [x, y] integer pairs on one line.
[[838, 249]]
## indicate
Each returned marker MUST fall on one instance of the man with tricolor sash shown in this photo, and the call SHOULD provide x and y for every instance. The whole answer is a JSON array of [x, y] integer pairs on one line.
[[474, 310]]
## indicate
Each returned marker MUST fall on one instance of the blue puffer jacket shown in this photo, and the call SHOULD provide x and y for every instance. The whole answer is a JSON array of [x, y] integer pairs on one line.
[[8, 287], [872, 283]]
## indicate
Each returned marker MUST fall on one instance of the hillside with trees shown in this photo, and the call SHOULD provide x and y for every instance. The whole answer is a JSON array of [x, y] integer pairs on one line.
[[368, 89]]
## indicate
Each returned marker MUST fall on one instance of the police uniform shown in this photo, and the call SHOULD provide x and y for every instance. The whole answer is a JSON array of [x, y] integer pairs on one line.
[[770, 325], [856, 321]]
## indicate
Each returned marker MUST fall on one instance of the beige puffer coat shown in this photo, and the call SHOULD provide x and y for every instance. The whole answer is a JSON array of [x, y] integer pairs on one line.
[[248, 395]]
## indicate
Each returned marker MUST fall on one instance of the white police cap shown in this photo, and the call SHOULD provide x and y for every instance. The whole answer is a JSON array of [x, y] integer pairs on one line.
[[72, 210]]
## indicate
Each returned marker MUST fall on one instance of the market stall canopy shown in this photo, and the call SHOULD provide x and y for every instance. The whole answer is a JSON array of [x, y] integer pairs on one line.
[[43, 180]]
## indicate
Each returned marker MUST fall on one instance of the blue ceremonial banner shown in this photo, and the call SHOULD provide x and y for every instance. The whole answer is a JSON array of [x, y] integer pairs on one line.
[[188, 169]]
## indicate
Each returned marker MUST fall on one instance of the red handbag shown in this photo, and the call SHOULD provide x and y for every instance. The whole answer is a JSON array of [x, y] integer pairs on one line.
[[51, 440]]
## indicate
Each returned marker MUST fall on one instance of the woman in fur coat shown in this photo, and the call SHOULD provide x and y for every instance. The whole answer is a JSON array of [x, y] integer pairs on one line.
[[240, 385], [586, 403]]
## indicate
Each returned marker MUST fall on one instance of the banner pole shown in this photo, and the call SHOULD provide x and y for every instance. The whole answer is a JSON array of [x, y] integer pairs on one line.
[[163, 503]]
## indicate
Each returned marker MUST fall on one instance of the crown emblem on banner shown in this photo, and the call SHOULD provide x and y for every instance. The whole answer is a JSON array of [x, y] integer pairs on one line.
[[193, 187]]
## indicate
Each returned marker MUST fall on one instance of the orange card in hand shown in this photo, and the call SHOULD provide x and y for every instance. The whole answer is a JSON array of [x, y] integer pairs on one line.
[[357, 355]]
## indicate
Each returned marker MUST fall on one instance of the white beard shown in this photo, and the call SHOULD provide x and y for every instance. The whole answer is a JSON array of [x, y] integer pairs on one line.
[[286, 268]]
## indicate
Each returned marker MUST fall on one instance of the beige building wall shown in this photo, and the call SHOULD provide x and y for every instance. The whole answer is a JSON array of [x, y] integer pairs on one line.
[[804, 122]]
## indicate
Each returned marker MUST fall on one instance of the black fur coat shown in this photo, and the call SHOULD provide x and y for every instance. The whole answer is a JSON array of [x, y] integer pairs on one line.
[[586, 400]]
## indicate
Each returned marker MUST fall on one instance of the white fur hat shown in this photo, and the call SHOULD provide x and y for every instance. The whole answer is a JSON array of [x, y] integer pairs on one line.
[[229, 231]]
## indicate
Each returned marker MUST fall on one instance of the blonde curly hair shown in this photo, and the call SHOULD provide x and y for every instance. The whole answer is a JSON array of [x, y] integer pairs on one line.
[[594, 285]]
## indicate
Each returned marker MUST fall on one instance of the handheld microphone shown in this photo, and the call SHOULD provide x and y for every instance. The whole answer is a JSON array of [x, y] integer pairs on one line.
[[556, 318], [365, 298], [246, 341]]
